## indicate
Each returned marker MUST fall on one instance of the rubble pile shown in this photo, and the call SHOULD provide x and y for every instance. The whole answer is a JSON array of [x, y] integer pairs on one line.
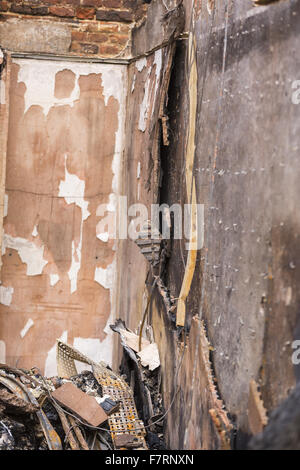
[[91, 410], [21, 428]]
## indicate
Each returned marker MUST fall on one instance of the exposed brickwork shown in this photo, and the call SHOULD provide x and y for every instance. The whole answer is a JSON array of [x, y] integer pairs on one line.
[[26, 9], [4, 6], [107, 10], [101, 27], [62, 10], [115, 15], [84, 48], [85, 13]]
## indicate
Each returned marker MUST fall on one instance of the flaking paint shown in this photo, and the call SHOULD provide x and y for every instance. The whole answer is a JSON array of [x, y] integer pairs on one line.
[[64, 160]]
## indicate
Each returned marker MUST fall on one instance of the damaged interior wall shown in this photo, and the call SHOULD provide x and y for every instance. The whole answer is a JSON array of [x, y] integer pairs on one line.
[[242, 306], [221, 130], [64, 154], [67, 155]]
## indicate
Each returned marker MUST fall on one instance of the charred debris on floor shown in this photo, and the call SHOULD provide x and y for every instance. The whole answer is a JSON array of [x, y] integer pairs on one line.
[[95, 409]]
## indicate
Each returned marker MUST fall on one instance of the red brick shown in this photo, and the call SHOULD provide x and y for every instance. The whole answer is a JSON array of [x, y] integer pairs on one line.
[[109, 50], [107, 27], [114, 15], [61, 2], [112, 3], [92, 3], [85, 13], [3, 6], [118, 39], [79, 36], [124, 28], [130, 4], [84, 48], [63, 11], [98, 37], [40, 11], [26, 9]]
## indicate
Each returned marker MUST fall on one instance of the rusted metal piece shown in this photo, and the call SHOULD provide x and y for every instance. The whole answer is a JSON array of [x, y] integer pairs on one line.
[[81, 404], [126, 419], [15, 404], [52, 438], [127, 441], [257, 415]]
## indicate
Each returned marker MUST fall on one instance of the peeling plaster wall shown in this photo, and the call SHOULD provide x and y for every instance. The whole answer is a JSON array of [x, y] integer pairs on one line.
[[64, 161], [140, 181]]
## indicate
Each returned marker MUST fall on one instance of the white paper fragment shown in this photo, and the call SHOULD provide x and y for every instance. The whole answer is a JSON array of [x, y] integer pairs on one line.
[[150, 356], [28, 325], [132, 340]]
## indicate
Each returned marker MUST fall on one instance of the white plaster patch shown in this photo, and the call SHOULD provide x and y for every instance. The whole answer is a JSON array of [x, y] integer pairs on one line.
[[144, 107], [54, 278], [133, 83], [105, 276], [72, 190], [95, 349], [5, 212], [29, 253], [158, 63], [138, 170], [6, 294], [39, 78], [2, 352], [35, 232], [51, 364], [141, 64], [28, 325], [104, 236], [112, 204], [75, 265]]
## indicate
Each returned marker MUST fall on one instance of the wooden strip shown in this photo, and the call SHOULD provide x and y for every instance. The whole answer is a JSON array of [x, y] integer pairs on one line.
[[190, 186]]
